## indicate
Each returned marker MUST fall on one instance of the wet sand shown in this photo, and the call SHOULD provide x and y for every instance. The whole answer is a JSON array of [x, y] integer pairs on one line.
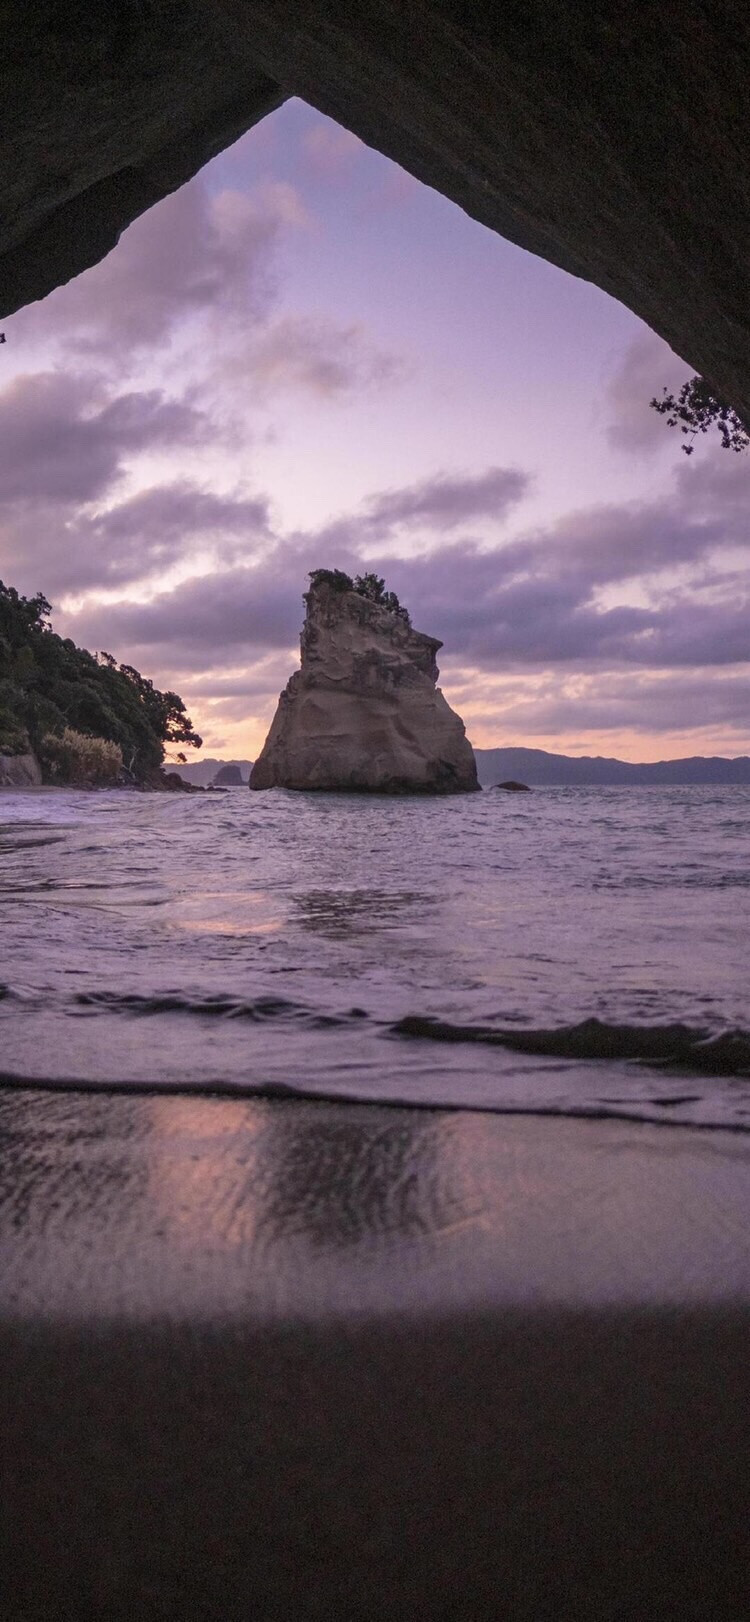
[[310, 1361]]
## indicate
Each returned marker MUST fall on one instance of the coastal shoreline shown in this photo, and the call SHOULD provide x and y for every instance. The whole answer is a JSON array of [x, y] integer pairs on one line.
[[170, 787], [308, 1359]]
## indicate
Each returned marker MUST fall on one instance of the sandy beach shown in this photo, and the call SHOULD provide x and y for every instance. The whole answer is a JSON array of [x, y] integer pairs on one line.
[[312, 1360]]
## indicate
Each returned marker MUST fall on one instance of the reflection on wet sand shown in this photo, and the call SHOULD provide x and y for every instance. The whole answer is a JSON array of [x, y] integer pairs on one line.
[[201, 1206], [347, 1180], [202, 1169], [198, 1205], [63, 1167], [321, 1361], [249, 1173]]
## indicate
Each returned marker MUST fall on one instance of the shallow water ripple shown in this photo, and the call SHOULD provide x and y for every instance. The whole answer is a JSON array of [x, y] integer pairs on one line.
[[276, 943]]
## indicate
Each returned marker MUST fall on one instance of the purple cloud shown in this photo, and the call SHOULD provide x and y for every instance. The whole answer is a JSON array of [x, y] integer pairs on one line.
[[219, 619], [63, 438], [448, 500], [193, 253], [65, 445], [648, 367], [529, 602], [698, 700], [318, 356]]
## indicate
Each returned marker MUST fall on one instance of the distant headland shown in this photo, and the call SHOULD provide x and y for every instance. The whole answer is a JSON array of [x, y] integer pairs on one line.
[[540, 768]]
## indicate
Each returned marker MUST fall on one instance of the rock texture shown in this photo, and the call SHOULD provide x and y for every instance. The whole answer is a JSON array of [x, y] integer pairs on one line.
[[20, 771], [105, 110], [612, 140], [363, 713]]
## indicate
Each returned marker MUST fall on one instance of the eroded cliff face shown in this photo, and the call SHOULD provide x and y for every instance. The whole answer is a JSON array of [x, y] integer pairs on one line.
[[363, 713], [20, 771]]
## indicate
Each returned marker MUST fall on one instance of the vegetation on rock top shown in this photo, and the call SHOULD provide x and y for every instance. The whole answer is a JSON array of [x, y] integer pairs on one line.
[[371, 586]]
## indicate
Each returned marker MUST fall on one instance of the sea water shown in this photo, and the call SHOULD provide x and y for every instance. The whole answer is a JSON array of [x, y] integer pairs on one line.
[[389, 950]]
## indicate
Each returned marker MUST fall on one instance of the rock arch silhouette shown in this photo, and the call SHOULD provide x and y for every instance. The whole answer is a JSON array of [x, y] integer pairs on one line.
[[612, 141]]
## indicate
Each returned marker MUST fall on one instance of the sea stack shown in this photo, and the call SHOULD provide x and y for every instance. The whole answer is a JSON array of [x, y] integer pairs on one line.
[[363, 713]]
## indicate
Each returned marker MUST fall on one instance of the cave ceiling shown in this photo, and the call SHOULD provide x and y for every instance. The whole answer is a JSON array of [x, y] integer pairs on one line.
[[610, 139]]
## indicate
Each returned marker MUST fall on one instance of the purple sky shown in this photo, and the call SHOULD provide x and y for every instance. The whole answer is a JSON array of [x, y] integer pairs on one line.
[[306, 358]]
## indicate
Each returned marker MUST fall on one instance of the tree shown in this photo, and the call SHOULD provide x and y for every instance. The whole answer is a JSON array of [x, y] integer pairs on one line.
[[371, 586], [47, 684], [696, 409], [335, 578]]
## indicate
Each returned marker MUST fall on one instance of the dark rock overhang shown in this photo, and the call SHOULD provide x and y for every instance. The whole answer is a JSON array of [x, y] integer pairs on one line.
[[611, 140]]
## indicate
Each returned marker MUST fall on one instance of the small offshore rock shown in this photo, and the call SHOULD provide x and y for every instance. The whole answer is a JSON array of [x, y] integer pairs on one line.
[[174, 784], [513, 787], [228, 776]]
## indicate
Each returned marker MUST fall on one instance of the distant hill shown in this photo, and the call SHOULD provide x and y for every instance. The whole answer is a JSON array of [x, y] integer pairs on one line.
[[203, 772], [537, 767]]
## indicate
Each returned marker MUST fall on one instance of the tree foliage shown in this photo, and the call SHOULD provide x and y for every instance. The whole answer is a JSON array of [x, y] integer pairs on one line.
[[371, 586], [47, 684], [335, 578], [697, 409]]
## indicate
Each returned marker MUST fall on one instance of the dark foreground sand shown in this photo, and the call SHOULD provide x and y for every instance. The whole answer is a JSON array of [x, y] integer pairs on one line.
[[320, 1361]]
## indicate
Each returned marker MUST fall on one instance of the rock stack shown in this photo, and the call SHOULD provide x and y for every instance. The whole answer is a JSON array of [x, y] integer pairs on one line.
[[363, 713]]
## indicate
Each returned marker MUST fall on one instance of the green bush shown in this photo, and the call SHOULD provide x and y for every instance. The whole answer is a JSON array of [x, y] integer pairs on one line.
[[335, 578], [76, 758], [371, 586]]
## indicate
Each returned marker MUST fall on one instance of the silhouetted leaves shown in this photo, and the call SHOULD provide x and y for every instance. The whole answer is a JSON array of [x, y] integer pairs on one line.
[[371, 586], [696, 409]]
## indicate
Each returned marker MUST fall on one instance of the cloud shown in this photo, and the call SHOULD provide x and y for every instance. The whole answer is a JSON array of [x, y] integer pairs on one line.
[[188, 295], [157, 528], [531, 628], [644, 701], [199, 269], [66, 445], [442, 503], [204, 623], [64, 437], [447, 500], [180, 510], [579, 610], [318, 356], [538, 598], [194, 253], [648, 367], [257, 604]]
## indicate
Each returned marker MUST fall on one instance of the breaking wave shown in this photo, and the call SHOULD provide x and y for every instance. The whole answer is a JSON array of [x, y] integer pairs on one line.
[[726, 1053], [258, 1010], [585, 956]]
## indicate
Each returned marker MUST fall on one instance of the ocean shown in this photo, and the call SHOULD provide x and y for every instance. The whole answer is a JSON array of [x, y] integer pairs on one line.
[[571, 951]]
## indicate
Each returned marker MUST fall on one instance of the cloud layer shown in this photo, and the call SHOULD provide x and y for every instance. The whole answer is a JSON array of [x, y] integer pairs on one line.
[[535, 606], [129, 494]]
